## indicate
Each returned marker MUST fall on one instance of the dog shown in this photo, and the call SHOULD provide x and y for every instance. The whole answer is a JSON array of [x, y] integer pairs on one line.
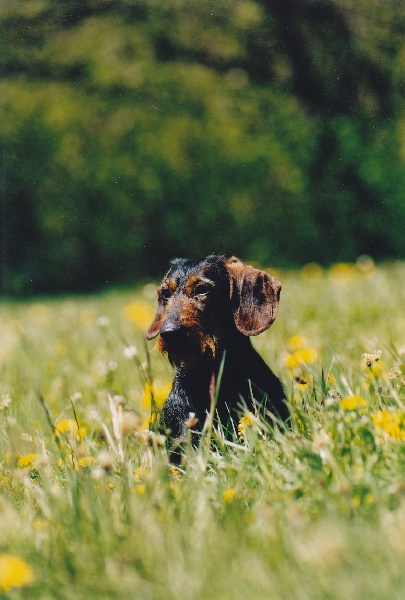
[[207, 311]]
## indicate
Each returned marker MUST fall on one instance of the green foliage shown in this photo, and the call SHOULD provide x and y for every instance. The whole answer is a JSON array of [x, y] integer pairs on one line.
[[90, 503], [135, 131]]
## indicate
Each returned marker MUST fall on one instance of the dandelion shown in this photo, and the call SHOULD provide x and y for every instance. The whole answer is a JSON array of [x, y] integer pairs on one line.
[[296, 342], [245, 422], [175, 472], [14, 573], [372, 358], [390, 423], [140, 313], [311, 271], [160, 392], [352, 403], [86, 461], [140, 473], [69, 426], [228, 495], [27, 460], [342, 272], [300, 357]]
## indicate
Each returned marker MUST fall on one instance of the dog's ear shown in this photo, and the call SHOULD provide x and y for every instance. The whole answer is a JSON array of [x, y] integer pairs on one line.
[[157, 323], [255, 297]]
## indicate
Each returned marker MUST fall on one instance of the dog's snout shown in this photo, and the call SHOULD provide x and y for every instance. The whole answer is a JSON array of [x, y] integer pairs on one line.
[[170, 328]]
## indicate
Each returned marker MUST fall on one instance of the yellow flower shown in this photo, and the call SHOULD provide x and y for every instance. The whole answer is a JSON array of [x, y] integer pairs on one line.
[[311, 271], [352, 403], [69, 426], [390, 423], [27, 460], [86, 461], [140, 473], [342, 272], [160, 393], [174, 472], [14, 573], [244, 422], [300, 357], [228, 495], [296, 342], [140, 313]]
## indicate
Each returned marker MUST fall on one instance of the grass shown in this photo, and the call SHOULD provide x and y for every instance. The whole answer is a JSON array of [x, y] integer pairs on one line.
[[91, 508]]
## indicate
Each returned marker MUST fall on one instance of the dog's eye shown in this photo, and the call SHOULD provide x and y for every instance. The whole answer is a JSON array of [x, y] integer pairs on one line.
[[165, 294], [201, 290]]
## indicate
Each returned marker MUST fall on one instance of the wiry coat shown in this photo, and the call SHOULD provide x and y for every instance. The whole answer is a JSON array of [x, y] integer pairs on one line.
[[207, 310]]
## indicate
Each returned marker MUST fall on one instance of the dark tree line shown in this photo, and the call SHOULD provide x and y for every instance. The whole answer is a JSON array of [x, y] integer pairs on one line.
[[135, 131]]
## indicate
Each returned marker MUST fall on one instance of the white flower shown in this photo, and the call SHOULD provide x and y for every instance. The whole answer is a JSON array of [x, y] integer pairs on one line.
[[103, 322], [5, 401], [130, 352]]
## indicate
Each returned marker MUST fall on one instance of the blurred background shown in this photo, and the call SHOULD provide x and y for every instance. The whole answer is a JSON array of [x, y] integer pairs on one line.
[[133, 131]]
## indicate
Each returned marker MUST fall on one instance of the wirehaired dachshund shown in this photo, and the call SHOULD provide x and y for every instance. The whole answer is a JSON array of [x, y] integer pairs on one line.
[[207, 311]]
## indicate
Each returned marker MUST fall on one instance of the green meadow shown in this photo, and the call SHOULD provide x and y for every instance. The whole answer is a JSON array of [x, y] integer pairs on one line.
[[90, 506]]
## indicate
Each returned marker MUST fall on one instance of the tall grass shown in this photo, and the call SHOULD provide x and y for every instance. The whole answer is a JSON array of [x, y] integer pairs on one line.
[[91, 506]]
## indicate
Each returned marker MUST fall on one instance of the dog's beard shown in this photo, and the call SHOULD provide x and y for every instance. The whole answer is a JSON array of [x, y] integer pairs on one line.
[[189, 348]]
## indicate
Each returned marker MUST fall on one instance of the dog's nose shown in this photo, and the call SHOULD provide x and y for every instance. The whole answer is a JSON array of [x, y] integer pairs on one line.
[[170, 328]]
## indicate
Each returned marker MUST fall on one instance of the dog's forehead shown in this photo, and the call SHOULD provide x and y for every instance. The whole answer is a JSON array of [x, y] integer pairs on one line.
[[182, 270]]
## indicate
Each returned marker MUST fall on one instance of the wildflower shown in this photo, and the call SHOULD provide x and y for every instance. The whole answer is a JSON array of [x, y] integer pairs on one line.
[[160, 392], [342, 272], [69, 426], [352, 403], [311, 271], [228, 495], [140, 473], [5, 402], [86, 461], [296, 342], [140, 313], [300, 357], [245, 422], [191, 421], [27, 460], [175, 472], [130, 352], [372, 358], [390, 423], [103, 322], [394, 372], [14, 573]]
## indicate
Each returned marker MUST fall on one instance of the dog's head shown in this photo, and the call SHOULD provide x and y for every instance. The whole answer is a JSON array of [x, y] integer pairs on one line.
[[201, 301]]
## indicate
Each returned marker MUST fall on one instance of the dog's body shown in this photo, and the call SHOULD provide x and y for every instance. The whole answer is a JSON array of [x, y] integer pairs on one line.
[[207, 309]]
